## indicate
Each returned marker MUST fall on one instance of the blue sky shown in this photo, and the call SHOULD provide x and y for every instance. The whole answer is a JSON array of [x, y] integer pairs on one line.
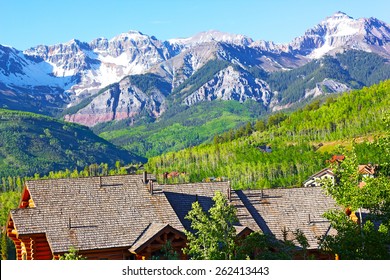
[[27, 23]]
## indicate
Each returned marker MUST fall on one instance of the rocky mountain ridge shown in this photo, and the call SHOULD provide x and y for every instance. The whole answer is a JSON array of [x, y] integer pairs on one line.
[[74, 73]]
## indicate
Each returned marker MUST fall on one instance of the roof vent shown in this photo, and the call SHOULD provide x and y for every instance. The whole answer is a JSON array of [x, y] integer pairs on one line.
[[151, 187]]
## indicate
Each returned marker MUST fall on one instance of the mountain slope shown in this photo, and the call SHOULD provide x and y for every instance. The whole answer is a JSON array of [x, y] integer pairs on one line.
[[293, 89], [132, 84], [294, 138], [31, 143], [180, 126], [330, 74], [219, 79]]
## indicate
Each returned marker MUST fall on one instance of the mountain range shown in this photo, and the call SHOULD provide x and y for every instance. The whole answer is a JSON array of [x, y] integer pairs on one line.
[[136, 77]]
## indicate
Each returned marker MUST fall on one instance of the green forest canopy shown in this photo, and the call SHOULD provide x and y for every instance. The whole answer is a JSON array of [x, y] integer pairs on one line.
[[295, 140]]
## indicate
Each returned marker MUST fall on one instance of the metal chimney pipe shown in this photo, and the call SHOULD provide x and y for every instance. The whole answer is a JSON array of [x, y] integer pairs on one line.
[[145, 177], [229, 193]]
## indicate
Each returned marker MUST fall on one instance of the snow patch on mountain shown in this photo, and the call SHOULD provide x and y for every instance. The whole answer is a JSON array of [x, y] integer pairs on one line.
[[19, 70], [327, 86], [212, 36]]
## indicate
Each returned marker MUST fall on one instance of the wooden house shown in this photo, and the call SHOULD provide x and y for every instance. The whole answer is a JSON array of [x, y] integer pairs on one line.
[[113, 217], [316, 179], [336, 159], [132, 217], [367, 170]]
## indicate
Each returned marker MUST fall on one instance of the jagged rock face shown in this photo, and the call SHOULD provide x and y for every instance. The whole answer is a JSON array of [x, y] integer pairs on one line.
[[102, 62], [120, 101], [71, 72], [136, 49], [66, 59], [182, 66], [10, 62], [230, 84], [212, 36]]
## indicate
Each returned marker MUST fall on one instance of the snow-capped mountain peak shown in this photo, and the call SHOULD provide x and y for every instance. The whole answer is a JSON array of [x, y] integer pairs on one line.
[[213, 36], [339, 32], [341, 24], [130, 35], [339, 16], [73, 71]]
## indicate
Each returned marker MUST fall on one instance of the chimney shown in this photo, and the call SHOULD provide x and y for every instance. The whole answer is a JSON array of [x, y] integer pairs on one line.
[[310, 222], [229, 192], [145, 177], [151, 187]]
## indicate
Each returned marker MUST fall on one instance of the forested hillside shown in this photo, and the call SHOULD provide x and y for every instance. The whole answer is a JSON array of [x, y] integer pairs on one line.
[[181, 126], [31, 143], [352, 68], [301, 143]]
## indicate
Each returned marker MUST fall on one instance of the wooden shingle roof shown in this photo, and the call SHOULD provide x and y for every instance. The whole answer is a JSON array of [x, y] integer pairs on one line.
[[319, 174], [279, 209], [182, 196], [119, 211], [151, 231], [368, 169], [91, 213]]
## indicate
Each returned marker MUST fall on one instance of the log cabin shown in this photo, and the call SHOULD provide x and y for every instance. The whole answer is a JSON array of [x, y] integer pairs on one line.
[[133, 217]]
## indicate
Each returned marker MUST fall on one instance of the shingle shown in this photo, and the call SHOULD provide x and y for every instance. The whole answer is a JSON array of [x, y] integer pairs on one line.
[[92, 213], [149, 234], [182, 196], [118, 211], [289, 209]]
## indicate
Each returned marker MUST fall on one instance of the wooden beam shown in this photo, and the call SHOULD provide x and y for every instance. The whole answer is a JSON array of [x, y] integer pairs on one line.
[[23, 204]]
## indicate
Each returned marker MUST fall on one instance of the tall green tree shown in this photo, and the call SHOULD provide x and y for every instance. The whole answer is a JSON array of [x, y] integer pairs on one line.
[[213, 235], [369, 237]]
